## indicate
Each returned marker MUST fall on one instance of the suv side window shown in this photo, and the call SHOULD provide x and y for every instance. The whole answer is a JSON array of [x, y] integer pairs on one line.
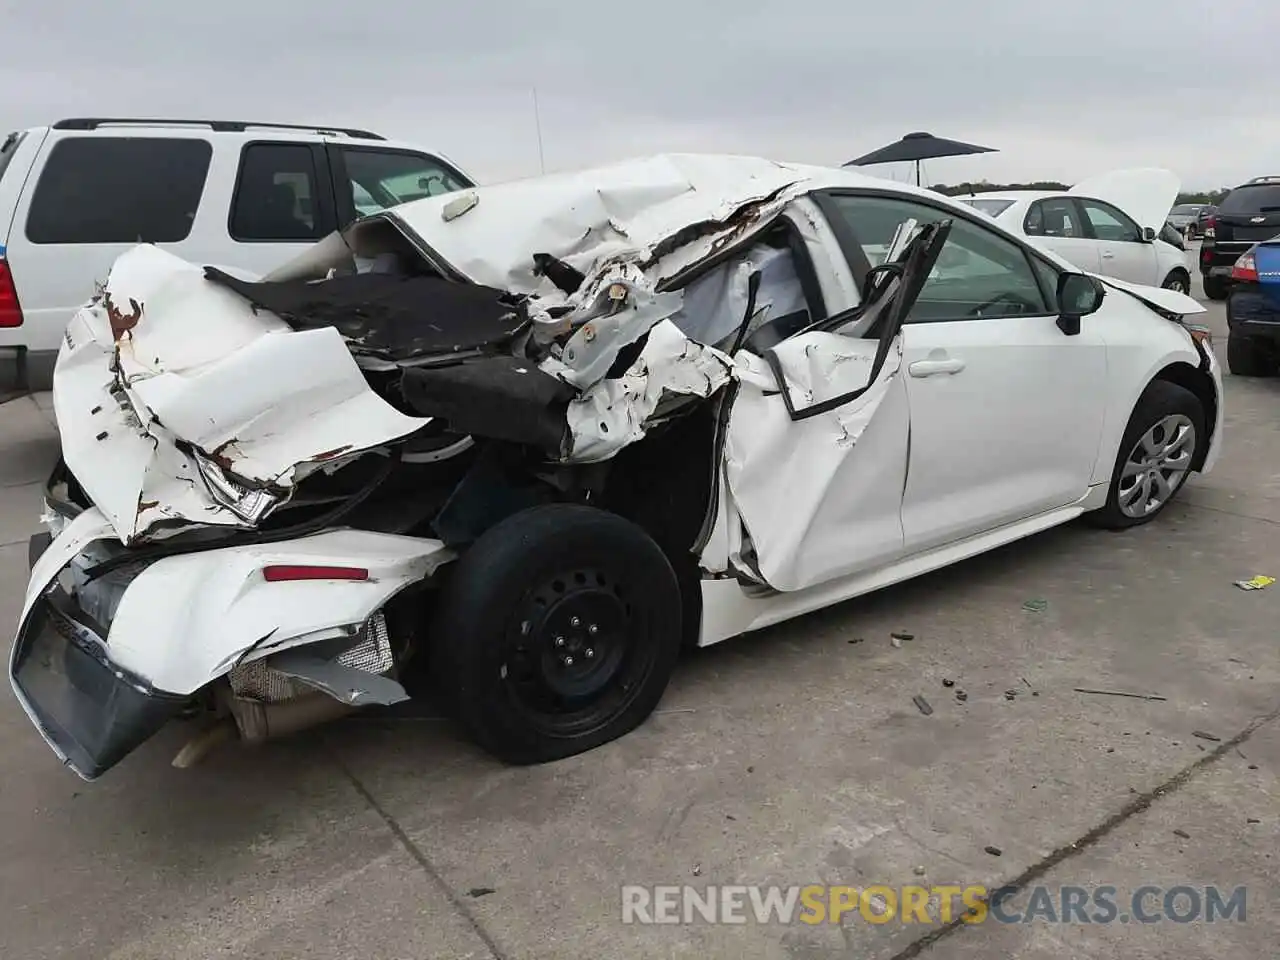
[[1054, 217], [276, 191], [979, 274], [119, 190], [379, 179], [1109, 223]]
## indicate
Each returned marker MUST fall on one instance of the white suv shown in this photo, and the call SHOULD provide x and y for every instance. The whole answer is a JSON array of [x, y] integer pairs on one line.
[[243, 196]]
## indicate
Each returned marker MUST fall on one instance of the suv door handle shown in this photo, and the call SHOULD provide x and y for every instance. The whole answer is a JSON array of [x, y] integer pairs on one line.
[[927, 368], [1108, 255]]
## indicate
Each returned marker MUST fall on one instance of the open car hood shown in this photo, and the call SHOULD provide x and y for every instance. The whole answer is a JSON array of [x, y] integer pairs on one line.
[[1145, 193]]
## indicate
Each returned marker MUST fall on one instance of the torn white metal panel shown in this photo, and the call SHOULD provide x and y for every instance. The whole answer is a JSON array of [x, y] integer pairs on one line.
[[196, 362], [618, 308], [614, 413], [820, 497], [677, 208]]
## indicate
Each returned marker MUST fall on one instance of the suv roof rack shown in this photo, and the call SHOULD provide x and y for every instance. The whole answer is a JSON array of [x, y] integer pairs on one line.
[[220, 126], [1267, 179]]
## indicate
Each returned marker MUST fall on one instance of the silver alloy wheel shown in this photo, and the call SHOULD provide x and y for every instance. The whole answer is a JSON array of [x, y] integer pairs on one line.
[[1178, 285], [1156, 466]]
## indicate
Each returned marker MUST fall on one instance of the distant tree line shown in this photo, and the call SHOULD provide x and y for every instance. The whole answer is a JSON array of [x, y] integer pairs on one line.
[[984, 186]]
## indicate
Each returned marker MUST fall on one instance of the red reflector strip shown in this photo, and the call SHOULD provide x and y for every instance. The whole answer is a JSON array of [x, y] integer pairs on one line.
[[283, 572]]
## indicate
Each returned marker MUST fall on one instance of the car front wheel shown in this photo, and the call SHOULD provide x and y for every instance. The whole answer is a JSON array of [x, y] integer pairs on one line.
[[1177, 280], [556, 632], [1159, 446]]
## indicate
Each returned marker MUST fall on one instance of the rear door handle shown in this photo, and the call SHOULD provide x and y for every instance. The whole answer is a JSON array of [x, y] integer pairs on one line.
[[927, 368], [1108, 255]]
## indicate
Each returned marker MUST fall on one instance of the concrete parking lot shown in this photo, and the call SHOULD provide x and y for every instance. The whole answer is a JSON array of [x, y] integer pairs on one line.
[[791, 757]]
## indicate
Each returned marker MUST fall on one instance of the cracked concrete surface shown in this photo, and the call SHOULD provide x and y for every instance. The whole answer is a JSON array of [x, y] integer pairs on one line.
[[792, 757]]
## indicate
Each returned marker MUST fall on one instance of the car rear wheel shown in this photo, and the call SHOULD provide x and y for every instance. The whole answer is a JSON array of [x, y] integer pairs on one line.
[[557, 632], [1159, 446], [1178, 280], [1215, 288], [1249, 357]]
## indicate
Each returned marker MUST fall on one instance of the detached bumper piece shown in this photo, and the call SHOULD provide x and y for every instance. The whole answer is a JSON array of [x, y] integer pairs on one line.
[[92, 713]]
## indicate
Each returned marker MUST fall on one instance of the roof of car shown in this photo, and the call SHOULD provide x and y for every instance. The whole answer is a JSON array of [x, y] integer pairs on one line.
[[677, 208]]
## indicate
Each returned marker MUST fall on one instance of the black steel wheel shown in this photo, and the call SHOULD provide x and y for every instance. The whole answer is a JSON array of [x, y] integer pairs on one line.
[[557, 632]]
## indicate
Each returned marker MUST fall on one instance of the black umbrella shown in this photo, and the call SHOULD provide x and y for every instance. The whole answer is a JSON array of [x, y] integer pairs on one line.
[[916, 147]]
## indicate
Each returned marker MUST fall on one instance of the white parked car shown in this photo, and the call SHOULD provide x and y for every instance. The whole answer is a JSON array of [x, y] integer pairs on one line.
[[1109, 225], [525, 441], [76, 194]]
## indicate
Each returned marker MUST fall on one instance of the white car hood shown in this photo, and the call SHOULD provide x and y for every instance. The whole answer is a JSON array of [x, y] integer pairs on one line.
[[1170, 301], [1145, 193]]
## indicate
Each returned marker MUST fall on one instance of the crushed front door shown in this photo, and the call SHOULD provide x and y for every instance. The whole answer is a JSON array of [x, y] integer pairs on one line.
[[816, 447]]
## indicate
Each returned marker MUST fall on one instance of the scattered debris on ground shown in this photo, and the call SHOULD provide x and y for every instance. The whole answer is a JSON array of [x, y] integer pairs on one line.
[[856, 640], [1206, 736], [948, 683], [1120, 693], [480, 891], [922, 705], [1256, 583], [920, 871], [1035, 605], [1253, 820], [1183, 834], [1011, 694], [697, 869], [897, 635], [961, 696], [994, 851]]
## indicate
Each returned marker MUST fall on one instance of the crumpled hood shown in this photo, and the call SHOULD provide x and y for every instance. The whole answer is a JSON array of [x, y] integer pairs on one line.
[[164, 374]]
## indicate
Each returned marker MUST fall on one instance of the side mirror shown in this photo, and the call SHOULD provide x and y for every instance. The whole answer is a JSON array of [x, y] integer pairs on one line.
[[1078, 296], [1148, 234]]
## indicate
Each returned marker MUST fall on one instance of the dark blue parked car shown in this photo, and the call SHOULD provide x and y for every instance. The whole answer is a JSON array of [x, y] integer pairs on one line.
[[1253, 312]]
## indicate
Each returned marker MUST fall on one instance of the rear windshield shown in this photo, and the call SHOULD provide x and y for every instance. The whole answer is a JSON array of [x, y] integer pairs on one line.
[[1252, 198], [1184, 210], [991, 207], [8, 147]]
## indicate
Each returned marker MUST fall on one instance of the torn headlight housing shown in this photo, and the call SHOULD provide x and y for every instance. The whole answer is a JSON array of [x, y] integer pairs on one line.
[[250, 504]]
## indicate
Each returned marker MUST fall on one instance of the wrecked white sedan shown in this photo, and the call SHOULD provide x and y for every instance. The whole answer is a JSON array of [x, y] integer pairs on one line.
[[521, 443]]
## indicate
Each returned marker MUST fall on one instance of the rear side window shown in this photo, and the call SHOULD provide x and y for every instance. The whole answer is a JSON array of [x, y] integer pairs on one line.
[[1252, 199], [119, 190], [276, 194], [8, 147]]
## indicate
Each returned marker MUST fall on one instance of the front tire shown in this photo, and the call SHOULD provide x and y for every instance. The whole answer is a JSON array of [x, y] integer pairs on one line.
[[1215, 288], [1160, 443], [1178, 280], [1248, 357], [557, 632]]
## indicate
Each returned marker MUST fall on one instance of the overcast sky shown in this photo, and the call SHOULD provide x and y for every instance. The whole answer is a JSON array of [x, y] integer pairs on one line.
[[1064, 89]]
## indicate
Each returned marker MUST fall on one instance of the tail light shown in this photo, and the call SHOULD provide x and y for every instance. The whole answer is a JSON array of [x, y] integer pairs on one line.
[[1245, 269], [1211, 227], [10, 309]]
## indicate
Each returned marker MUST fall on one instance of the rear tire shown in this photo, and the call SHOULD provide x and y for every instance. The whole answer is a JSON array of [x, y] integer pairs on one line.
[[557, 631], [1249, 357], [1160, 443], [1215, 288]]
